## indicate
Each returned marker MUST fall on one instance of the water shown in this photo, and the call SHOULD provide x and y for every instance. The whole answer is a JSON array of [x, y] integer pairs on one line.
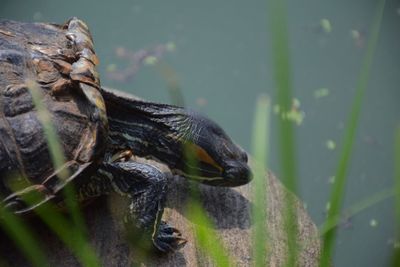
[[223, 62]]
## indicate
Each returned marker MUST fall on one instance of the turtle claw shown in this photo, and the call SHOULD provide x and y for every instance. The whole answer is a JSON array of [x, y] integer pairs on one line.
[[27, 199], [14, 205], [168, 229], [169, 239]]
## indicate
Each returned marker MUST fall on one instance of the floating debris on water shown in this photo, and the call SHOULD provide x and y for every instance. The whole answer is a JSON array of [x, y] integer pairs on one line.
[[355, 34], [170, 46], [394, 242], [330, 144], [121, 52], [326, 25], [373, 223], [295, 103], [150, 60], [358, 38], [346, 222], [201, 101], [294, 114], [111, 67], [321, 92], [136, 59]]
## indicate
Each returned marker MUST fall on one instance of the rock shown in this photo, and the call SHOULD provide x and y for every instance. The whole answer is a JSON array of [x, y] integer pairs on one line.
[[229, 209]]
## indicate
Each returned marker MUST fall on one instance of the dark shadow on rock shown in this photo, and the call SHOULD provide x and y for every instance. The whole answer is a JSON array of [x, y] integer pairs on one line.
[[177, 258], [102, 234], [226, 207], [106, 235], [50, 244], [9, 252]]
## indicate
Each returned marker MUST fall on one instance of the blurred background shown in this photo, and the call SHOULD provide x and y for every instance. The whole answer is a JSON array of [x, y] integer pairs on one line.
[[218, 53]]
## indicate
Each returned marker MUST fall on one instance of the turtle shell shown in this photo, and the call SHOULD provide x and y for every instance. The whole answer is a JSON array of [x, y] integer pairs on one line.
[[59, 61]]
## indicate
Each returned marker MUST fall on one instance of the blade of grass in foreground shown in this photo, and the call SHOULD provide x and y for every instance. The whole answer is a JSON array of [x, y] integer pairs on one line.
[[260, 142], [23, 237], [56, 153], [72, 235], [396, 252], [205, 236], [357, 208], [281, 63], [171, 77], [337, 192], [4, 264], [69, 234], [204, 228]]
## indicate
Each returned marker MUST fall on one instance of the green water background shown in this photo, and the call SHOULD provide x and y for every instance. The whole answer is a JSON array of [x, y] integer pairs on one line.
[[223, 62]]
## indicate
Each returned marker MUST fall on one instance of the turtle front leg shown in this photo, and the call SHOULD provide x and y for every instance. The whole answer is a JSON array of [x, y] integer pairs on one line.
[[146, 187]]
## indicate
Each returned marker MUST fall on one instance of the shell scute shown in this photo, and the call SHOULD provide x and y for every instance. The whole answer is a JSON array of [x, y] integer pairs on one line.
[[62, 61]]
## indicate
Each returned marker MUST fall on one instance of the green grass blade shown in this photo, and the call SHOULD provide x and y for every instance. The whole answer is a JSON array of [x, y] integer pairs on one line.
[[281, 63], [260, 146], [56, 153], [397, 176], [171, 78], [23, 237], [53, 142], [3, 263], [205, 236], [73, 207], [72, 235], [337, 192], [396, 252], [357, 208], [203, 226], [69, 234]]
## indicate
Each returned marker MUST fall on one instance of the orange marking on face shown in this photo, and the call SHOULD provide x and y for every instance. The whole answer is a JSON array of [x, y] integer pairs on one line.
[[203, 156]]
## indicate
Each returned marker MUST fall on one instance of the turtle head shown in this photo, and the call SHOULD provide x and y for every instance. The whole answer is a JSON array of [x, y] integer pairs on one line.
[[210, 156], [189, 143]]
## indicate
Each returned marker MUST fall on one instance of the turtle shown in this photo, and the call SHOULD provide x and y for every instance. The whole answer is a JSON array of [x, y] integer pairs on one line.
[[99, 131]]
